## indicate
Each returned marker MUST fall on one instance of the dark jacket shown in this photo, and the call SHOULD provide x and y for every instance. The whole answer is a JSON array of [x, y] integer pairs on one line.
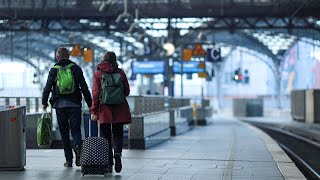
[[81, 86], [119, 113]]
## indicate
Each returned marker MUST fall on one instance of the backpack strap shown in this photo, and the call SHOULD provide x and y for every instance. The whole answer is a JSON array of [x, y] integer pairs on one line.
[[56, 67], [116, 70], [59, 67], [102, 72], [70, 65]]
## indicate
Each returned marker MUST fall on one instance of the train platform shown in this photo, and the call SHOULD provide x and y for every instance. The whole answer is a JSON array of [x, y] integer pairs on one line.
[[223, 150]]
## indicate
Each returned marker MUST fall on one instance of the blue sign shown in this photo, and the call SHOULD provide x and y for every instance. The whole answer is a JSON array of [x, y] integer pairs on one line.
[[148, 67], [214, 55], [188, 67]]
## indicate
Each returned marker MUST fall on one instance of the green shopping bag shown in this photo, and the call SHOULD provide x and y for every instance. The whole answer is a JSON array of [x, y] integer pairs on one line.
[[44, 131]]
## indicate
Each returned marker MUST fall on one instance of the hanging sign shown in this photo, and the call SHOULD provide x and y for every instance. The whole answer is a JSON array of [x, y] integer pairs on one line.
[[187, 54], [198, 50], [214, 55], [76, 51]]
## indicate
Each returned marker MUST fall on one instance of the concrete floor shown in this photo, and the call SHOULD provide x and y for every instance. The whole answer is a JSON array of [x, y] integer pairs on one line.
[[225, 149]]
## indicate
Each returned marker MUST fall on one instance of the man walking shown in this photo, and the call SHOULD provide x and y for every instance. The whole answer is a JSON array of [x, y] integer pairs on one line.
[[66, 82]]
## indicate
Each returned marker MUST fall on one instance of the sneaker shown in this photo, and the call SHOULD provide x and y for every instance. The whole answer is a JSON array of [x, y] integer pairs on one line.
[[118, 165], [77, 151], [68, 164]]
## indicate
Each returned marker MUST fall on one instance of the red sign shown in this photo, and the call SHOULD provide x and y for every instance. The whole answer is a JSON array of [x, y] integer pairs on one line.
[[76, 51], [198, 50]]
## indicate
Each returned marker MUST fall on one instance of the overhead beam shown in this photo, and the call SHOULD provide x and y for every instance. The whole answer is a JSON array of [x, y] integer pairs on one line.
[[220, 23], [160, 9]]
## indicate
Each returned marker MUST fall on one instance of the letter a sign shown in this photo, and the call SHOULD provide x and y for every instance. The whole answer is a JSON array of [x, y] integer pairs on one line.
[[198, 50]]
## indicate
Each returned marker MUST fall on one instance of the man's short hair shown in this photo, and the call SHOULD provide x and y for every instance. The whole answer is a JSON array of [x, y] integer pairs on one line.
[[63, 53]]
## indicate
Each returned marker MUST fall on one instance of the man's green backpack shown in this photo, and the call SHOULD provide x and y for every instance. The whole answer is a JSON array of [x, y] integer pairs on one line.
[[65, 80], [112, 90]]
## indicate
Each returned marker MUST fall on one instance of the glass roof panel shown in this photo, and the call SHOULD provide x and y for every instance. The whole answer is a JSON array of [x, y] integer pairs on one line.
[[275, 42]]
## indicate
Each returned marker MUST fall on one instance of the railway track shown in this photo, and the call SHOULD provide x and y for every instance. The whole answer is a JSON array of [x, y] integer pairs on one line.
[[304, 152]]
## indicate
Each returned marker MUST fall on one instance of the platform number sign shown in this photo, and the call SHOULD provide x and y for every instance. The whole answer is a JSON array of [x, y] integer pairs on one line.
[[214, 55]]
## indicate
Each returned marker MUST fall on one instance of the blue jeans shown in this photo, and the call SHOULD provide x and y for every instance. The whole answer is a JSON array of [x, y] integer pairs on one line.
[[69, 118]]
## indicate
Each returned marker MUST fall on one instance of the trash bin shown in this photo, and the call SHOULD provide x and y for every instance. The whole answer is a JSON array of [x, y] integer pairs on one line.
[[254, 107], [12, 137], [248, 107]]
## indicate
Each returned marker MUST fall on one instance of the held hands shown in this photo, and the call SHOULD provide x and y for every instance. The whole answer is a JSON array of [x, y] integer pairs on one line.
[[94, 117]]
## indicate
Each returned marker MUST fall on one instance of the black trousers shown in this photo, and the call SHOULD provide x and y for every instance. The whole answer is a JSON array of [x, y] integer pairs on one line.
[[69, 119], [114, 134]]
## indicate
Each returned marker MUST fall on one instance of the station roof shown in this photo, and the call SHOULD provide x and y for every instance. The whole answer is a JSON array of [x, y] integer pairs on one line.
[[37, 27], [110, 9]]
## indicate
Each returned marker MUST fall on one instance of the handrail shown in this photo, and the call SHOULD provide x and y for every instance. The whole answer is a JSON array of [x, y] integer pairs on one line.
[[138, 104]]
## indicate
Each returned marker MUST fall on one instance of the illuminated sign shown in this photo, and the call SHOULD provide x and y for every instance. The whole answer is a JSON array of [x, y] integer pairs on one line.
[[148, 67], [158, 67], [188, 67]]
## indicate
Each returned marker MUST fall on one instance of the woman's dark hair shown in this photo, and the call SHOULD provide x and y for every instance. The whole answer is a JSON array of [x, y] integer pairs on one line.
[[110, 57]]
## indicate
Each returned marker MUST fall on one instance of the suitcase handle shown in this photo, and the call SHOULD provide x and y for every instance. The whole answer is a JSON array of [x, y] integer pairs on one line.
[[98, 124]]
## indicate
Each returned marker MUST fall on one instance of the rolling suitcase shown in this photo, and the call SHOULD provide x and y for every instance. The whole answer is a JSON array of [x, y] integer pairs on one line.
[[94, 126], [94, 155]]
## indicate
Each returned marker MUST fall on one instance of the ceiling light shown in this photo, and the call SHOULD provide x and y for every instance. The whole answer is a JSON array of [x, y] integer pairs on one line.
[[169, 47]]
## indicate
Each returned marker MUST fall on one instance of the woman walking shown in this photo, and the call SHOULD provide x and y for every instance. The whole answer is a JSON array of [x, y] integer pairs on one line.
[[112, 113]]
